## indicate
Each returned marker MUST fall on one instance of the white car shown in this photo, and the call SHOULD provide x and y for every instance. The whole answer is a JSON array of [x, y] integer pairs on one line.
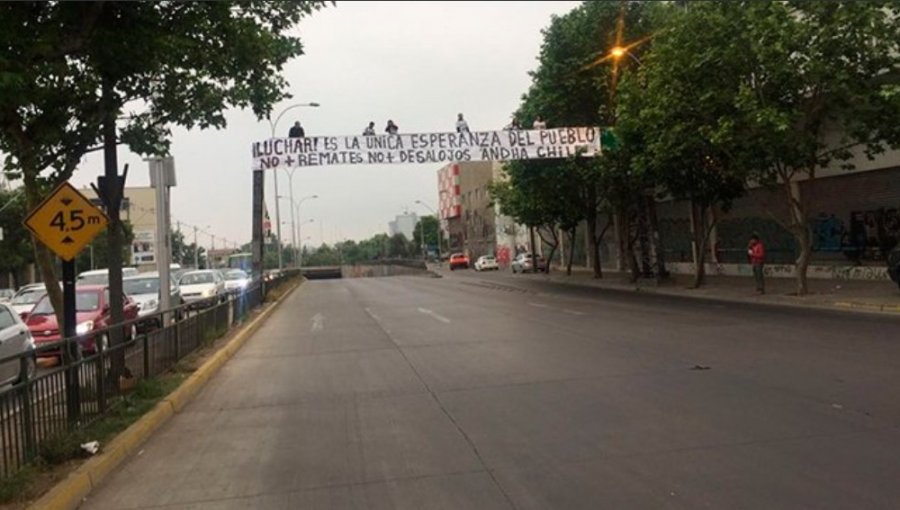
[[236, 281], [27, 297], [486, 263], [203, 285], [143, 289], [15, 342], [101, 276]]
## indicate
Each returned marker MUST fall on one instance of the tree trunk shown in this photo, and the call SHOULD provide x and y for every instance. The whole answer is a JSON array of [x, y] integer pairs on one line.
[[800, 229], [114, 247], [42, 256], [571, 258], [595, 245], [554, 243], [705, 233], [629, 228]]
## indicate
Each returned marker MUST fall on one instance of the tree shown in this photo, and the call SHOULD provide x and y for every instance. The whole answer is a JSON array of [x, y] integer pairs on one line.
[[16, 251], [689, 144], [96, 250], [575, 85], [432, 229], [821, 85], [70, 69]]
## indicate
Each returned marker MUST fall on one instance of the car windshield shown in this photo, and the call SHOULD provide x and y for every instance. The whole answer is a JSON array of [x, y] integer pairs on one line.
[[93, 279], [197, 278], [29, 298], [141, 286], [236, 274], [85, 301]]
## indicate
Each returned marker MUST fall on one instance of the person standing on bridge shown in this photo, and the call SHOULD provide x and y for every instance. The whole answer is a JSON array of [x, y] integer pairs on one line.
[[756, 252], [391, 128], [461, 125], [296, 131], [370, 130]]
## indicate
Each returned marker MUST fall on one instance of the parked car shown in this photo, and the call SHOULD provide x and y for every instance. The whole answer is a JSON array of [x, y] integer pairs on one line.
[[893, 263], [528, 263], [202, 287], [486, 263], [15, 340], [26, 298], [144, 290], [236, 281], [92, 316], [6, 295], [101, 276], [459, 261]]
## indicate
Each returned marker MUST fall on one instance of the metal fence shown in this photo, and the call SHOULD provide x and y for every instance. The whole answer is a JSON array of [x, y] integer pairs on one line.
[[83, 386]]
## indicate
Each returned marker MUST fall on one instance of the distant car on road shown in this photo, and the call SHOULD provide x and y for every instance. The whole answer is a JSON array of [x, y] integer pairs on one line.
[[15, 340], [236, 281], [6, 295], [486, 263], [459, 261], [26, 298], [101, 276], [92, 314], [893, 263], [144, 290], [203, 287], [528, 263]]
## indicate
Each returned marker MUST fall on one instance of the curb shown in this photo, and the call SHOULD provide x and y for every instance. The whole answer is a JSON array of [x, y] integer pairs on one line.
[[69, 493], [839, 306]]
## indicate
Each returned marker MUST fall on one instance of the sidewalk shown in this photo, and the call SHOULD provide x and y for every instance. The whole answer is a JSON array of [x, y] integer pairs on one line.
[[869, 296]]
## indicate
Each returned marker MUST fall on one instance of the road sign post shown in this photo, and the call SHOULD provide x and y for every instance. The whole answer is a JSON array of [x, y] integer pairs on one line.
[[66, 222], [70, 351]]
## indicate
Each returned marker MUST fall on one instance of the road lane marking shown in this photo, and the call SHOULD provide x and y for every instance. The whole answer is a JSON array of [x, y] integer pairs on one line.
[[539, 305], [573, 312], [436, 316], [318, 322]]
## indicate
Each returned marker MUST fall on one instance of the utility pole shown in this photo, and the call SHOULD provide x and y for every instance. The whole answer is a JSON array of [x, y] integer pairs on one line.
[[196, 250], [162, 176]]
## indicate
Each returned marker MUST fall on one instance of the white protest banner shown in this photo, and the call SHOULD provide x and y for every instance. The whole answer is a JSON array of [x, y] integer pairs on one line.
[[417, 148]]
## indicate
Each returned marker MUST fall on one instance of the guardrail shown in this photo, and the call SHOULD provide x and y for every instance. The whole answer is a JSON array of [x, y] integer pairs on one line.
[[79, 390]]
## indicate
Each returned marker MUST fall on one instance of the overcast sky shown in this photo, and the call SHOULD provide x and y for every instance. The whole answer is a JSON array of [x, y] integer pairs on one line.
[[418, 63]]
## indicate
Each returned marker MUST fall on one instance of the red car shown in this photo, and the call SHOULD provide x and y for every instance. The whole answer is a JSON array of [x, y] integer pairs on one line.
[[459, 261], [92, 314]]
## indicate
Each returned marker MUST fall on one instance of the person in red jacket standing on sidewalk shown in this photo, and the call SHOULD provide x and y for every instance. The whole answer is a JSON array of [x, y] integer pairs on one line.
[[756, 251]]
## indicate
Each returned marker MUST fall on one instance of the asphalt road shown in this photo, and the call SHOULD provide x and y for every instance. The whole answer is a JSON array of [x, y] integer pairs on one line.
[[484, 391]]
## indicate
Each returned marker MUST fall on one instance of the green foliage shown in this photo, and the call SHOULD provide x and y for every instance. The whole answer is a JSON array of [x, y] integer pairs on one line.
[[16, 251], [431, 227], [98, 249], [67, 65]]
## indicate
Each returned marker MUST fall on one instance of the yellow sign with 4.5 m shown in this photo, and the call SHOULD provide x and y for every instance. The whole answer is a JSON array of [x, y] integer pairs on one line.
[[66, 221]]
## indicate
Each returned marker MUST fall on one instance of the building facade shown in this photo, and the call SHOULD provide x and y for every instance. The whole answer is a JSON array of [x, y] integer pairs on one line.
[[469, 217], [138, 209], [404, 224]]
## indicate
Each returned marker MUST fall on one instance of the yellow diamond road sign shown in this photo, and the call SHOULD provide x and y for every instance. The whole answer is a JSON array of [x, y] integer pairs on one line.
[[66, 221]]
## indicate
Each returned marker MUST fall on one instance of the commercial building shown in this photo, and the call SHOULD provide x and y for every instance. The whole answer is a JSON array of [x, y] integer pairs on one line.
[[469, 217], [138, 208]]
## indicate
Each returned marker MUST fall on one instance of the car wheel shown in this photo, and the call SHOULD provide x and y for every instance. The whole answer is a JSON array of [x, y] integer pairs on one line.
[[28, 371]]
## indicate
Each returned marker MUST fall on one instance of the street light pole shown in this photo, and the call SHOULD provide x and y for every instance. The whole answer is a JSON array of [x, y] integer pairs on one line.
[[274, 125]]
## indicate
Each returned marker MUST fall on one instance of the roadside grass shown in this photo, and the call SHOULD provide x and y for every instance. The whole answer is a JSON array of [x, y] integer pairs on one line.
[[64, 448]]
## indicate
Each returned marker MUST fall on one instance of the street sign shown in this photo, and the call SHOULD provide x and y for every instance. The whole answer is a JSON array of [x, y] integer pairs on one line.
[[66, 221]]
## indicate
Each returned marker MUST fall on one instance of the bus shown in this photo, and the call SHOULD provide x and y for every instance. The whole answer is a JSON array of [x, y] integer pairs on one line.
[[242, 261]]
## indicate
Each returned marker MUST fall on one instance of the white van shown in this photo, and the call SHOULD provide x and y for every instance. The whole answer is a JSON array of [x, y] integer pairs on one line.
[[101, 276]]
